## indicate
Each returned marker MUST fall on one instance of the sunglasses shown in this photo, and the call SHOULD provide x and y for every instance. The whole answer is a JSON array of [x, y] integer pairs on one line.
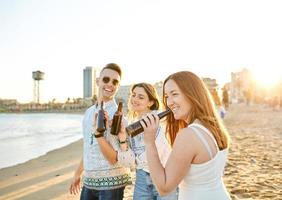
[[107, 79]]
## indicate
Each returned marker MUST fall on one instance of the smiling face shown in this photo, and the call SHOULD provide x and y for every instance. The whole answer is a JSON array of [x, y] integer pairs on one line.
[[176, 101], [139, 101], [108, 83]]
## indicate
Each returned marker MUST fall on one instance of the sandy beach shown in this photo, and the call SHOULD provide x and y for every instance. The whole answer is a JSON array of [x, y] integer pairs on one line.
[[254, 169]]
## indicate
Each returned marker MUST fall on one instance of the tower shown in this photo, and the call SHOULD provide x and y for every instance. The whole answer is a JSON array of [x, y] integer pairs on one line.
[[89, 82], [37, 77]]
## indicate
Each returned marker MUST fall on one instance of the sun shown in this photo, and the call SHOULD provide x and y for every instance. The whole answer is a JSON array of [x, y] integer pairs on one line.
[[268, 78]]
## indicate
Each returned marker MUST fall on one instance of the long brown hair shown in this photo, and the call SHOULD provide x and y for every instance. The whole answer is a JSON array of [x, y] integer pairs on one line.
[[203, 108]]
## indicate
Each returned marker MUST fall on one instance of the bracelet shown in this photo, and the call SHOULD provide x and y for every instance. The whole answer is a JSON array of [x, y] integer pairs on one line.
[[93, 132], [123, 142], [98, 135]]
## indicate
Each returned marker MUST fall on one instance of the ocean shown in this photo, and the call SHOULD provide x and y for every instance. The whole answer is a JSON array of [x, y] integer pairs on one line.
[[26, 136]]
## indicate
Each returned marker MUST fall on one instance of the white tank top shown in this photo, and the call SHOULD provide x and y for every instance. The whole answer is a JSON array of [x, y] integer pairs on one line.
[[204, 181]]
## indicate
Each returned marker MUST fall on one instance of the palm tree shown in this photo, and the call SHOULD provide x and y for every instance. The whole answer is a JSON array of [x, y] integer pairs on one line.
[[68, 100], [94, 99]]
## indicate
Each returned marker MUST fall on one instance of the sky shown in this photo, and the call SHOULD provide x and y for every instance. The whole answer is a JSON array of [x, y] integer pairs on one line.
[[149, 39]]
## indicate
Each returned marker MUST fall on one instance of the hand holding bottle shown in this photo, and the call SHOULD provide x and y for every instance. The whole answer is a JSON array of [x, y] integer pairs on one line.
[[122, 136], [101, 120], [136, 128], [117, 118], [150, 124]]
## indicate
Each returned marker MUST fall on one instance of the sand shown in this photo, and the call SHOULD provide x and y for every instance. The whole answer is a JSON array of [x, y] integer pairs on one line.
[[254, 169]]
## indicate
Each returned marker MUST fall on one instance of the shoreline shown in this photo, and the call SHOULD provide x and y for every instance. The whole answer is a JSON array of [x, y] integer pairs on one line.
[[38, 157], [51, 111], [54, 169], [47, 158]]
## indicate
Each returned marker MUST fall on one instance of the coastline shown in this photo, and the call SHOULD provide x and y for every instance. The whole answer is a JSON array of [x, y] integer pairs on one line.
[[48, 111], [49, 175]]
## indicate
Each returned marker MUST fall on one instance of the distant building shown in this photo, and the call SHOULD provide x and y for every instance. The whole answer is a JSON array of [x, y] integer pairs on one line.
[[241, 85], [89, 82], [37, 76], [159, 88], [8, 102], [123, 95], [95, 87], [210, 83]]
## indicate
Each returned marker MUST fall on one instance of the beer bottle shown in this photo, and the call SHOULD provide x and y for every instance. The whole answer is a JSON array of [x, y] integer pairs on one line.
[[101, 120], [136, 128], [117, 120]]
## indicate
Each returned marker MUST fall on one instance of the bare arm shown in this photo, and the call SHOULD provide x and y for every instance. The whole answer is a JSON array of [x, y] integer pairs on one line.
[[75, 184], [107, 150], [163, 146], [126, 156], [168, 178], [80, 168]]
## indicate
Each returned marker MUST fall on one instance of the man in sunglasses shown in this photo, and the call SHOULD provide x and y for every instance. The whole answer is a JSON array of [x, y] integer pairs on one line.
[[104, 177]]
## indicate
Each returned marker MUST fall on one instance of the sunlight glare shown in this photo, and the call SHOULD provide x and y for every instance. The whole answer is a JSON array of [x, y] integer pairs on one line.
[[267, 79]]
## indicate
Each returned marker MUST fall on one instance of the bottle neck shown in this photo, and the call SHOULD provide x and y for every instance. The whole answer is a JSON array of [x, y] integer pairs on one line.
[[164, 113], [105, 100], [102, 105], [120, 107]]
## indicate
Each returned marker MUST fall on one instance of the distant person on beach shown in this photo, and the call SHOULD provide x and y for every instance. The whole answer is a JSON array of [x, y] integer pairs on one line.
[[215, 96], [142, 101], [220, 109], [104, 177], [275, 103], [248, 96], [225, 98], [199, 139]]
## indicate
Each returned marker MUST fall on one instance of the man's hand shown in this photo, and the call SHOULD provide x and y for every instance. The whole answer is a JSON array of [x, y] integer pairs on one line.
[[107, 121], [122, 134], [75, 185]]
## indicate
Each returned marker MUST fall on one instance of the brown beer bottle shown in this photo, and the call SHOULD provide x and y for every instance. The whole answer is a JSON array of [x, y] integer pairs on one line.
[[117, 120], [101, 120], [136, 128]]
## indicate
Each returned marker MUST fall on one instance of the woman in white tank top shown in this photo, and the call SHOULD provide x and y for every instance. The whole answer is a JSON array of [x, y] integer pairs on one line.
[[198, 138]]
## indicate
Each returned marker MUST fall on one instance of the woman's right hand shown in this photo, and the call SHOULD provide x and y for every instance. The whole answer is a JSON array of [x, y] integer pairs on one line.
[[150, 126]]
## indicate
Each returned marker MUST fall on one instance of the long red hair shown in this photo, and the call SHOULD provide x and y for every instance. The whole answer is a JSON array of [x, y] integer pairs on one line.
[[203, 108]]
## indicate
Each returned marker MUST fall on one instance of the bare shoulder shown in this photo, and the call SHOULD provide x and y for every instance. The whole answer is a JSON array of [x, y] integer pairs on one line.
[[185, 140], [185, 134]]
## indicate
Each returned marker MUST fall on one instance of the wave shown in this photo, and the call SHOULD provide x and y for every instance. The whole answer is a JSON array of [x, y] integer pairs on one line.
[[27, 136]]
